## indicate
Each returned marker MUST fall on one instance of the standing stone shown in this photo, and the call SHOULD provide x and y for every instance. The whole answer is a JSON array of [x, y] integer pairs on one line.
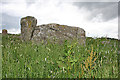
[[50, 32], [4, 31], [27, 27]]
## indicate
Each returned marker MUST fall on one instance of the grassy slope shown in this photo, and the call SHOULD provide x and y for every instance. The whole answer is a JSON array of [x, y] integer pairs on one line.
[[0, 57], [21, 60]]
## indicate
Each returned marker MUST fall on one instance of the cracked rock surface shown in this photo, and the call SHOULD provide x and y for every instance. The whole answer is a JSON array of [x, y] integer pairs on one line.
[[52, 32]]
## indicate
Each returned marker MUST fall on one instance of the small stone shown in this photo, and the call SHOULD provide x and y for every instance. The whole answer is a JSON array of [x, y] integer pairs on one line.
[[4, 32]]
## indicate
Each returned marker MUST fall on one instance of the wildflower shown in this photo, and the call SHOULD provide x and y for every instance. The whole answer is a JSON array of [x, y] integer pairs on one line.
[[28, 68], [15, 47], [108, 51], [48, 49], [51, 71], [45, 59], [99, 53], [73, 74], [6, 75], [103, 42], [63, 68], [1, 45]]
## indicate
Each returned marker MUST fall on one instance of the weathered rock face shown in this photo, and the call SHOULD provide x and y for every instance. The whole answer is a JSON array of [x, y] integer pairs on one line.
[[4, 31], [52, 32], [27, 27], [58, 33]]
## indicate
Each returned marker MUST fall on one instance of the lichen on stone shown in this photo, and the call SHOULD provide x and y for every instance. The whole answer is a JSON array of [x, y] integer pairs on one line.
[[49, 31]]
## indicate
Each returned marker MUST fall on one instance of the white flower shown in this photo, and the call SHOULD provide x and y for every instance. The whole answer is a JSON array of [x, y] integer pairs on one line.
[[15, 47], [48, 49], [51, 71], [63, 68], [45, 59], [28, 68], [20, 55]]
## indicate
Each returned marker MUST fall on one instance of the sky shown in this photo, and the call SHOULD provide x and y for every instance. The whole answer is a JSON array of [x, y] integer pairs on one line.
[[98, 19]]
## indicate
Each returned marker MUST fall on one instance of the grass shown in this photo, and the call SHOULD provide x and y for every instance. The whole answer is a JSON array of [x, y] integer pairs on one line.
[[97, 59], [0, 57]]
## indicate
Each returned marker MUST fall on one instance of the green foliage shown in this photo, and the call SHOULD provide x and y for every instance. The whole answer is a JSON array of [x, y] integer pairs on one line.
[[0, 57], [96, 59], [68, 60]]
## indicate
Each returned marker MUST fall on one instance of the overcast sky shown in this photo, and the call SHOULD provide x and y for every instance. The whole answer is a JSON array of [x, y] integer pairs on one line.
[[96, 18]]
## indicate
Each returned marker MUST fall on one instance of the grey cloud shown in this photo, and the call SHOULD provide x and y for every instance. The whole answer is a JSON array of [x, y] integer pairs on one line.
[[119, 10], [30, 2], [9, 22], [108, 9]]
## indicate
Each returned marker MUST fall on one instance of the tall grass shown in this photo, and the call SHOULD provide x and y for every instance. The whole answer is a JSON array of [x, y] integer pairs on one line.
[[0, 57], [96, 59]]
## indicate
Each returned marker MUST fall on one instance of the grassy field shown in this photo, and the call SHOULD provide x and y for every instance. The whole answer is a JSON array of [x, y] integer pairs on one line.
[[97, 59], [0, 57]]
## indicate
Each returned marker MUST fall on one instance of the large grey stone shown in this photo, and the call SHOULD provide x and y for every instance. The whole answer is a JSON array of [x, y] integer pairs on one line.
[[52, 32], [27, 27]]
